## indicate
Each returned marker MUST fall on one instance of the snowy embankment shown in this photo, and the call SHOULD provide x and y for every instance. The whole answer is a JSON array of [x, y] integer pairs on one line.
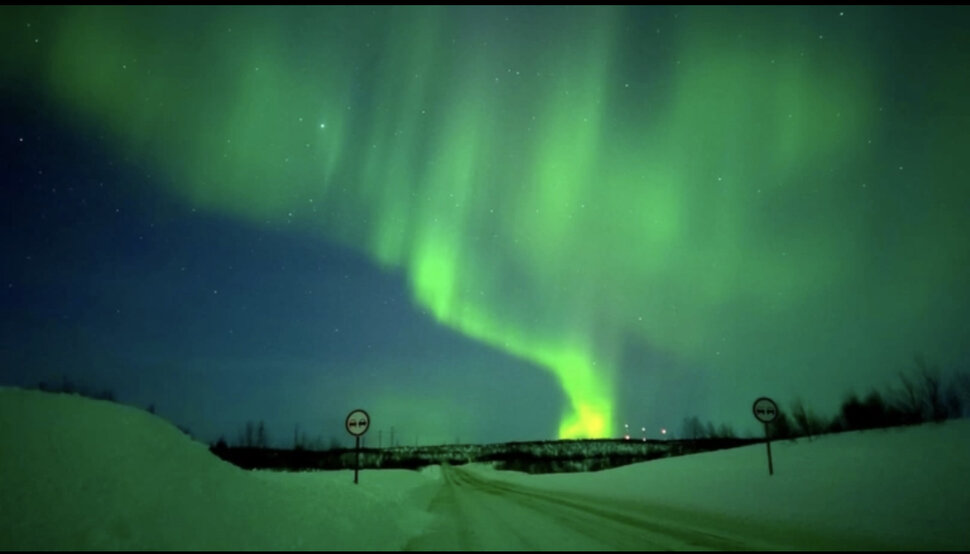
[[906, 488], [77, 473]]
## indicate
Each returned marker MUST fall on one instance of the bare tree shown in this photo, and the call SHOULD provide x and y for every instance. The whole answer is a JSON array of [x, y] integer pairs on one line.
[[693, 428], [934, 405], [908, 401], [958, 396], [781, 427], [805, 422], [261, 439], [725, 431], [247, 437], [710, 431]]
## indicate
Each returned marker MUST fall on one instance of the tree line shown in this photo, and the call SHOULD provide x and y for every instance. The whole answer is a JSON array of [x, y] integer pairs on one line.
[[923, 395]]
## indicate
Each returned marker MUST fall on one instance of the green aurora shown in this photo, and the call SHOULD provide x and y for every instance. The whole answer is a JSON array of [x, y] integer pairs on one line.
[[561, 182]]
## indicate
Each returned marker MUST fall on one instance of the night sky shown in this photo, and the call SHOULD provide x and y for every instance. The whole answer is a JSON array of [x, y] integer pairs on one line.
[[482, 224]]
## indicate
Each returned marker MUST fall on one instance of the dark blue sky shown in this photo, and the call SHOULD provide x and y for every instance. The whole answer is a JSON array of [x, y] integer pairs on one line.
[[111, 285], [482, 223]]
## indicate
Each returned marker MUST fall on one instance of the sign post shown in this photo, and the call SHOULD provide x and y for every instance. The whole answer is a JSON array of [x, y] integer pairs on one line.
[[765, 411], [357, 424]]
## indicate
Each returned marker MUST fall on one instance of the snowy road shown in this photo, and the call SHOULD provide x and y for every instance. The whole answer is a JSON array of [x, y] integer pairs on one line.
[[478, 513]]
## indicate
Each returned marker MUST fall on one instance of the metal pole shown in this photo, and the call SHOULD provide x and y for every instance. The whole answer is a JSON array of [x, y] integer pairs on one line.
[[771, 469], [357, 466]]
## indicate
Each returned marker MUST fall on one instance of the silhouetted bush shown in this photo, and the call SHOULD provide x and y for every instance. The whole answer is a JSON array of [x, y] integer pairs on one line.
[[866, 414], [920, 397]]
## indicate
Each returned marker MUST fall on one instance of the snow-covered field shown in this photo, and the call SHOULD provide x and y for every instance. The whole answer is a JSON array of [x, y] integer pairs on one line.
[[77, 473], [905, 488]]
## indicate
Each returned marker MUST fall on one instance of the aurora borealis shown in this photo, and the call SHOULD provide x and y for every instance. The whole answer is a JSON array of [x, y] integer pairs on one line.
[[668, 210]]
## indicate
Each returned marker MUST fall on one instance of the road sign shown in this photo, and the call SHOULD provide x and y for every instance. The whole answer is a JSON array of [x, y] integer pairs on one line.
[[765, 409], [357, 422]]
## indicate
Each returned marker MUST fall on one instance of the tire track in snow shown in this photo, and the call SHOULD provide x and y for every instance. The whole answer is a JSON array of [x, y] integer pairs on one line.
[[476, 513]]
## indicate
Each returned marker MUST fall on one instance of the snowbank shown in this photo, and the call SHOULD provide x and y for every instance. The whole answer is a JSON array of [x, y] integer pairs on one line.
[[77, 473], [904, 487]]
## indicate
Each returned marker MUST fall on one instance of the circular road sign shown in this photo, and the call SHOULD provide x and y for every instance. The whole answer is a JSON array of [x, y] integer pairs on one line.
[[357, 422], [765, 409]]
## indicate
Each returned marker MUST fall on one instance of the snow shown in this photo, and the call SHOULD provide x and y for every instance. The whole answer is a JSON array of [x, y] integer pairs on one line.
[[899, 488], [77, 473]]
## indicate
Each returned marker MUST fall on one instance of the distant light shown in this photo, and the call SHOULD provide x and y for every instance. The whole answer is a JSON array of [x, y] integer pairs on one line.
[[323, 125], [626, 437], [663, 431]]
